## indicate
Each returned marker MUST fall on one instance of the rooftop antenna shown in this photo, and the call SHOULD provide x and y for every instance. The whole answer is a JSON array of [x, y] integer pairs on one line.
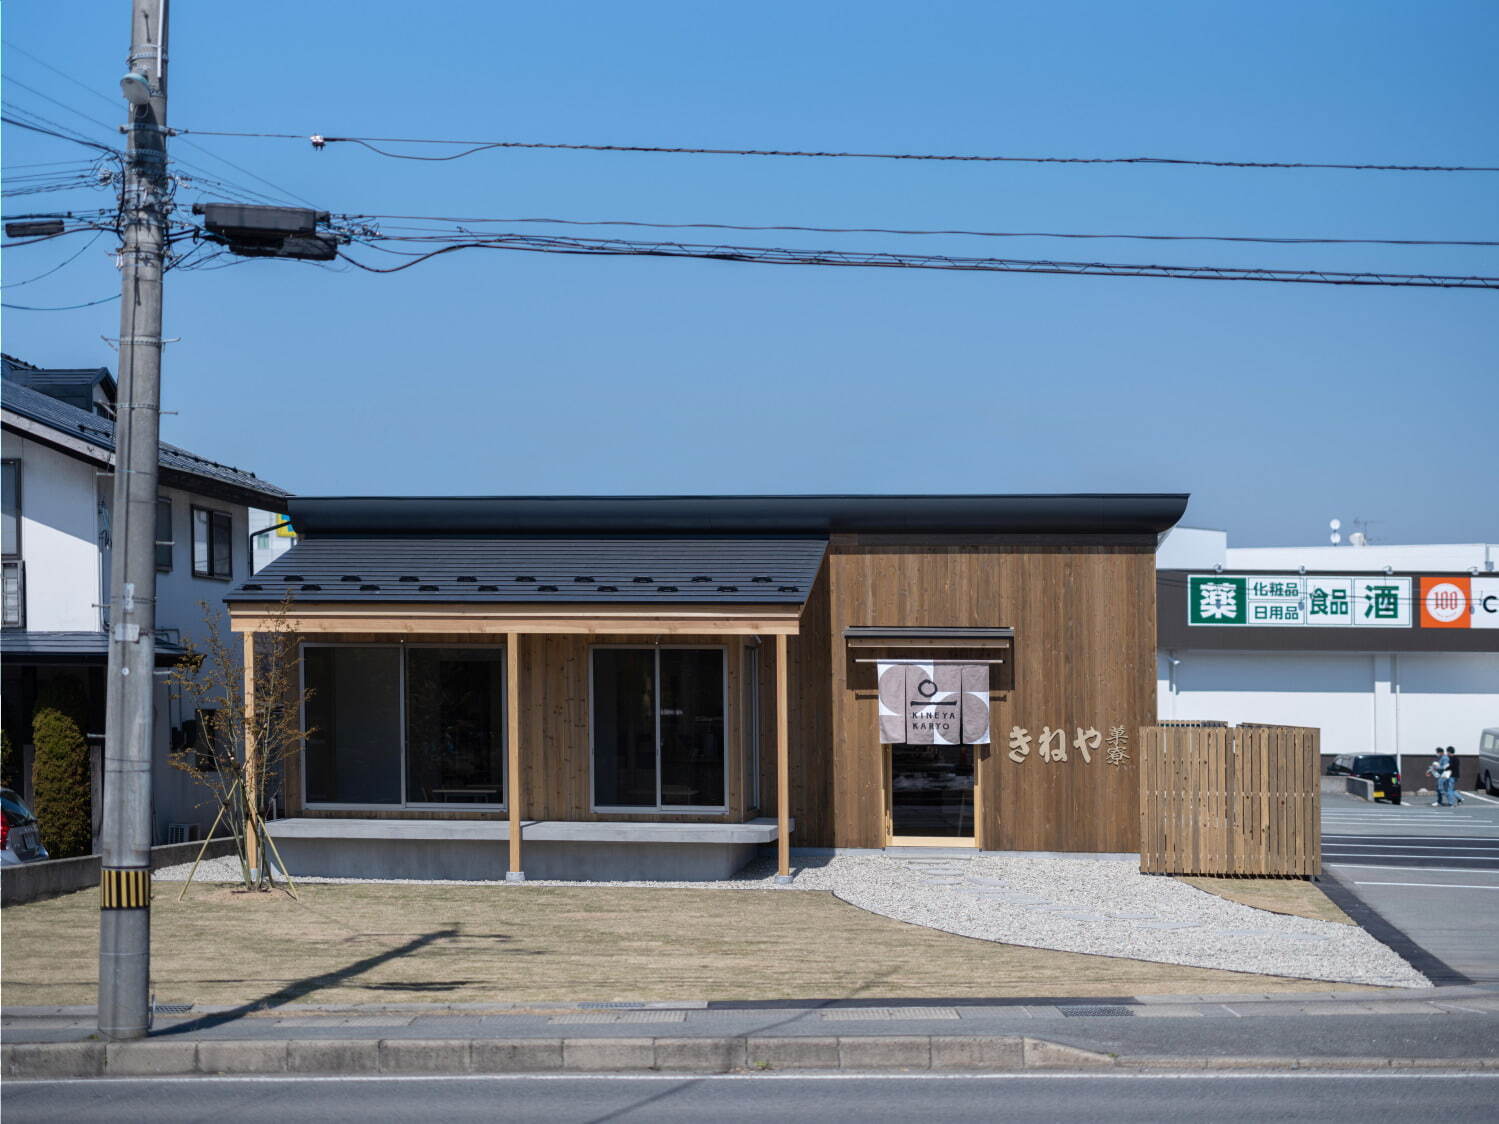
[[1336, 525]]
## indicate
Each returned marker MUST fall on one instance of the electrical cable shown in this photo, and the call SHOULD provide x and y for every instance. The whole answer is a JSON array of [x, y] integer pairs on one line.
[[964, 233], [483, 145], [782, 256], [66, 261], [284, 193], [60, 307]]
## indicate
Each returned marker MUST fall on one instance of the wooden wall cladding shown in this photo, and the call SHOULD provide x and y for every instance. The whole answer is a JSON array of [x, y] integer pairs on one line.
[[1083, 612]]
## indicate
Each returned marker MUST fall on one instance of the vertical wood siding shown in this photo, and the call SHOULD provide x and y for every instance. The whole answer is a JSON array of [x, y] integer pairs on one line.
[[1083, 612]]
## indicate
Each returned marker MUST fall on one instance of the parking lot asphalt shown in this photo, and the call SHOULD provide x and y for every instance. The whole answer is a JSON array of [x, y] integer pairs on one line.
[[1432, 873]]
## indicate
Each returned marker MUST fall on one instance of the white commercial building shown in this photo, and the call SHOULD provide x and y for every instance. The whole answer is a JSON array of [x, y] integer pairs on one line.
[[1386, 649]]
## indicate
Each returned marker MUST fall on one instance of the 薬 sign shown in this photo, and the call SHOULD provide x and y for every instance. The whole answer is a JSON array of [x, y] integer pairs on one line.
[[1294, 601]]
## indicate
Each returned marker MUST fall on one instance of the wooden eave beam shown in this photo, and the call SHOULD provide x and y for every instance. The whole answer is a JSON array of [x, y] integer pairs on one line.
[[459, 619]]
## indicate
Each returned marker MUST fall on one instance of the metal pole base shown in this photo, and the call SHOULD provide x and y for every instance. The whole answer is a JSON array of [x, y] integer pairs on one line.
[[515, 876], [783, 879]]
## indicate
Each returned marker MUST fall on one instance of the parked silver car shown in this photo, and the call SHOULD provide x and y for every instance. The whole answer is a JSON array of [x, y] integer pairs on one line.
[[20, 838], [1488, 761]]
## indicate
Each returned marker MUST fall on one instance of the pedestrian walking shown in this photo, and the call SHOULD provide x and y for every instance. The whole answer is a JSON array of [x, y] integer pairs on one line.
[[1440, 771], [1454, 775]]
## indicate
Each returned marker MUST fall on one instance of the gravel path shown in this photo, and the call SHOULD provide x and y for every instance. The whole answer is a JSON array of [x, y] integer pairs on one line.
[[1100, 906], [1107, 907]]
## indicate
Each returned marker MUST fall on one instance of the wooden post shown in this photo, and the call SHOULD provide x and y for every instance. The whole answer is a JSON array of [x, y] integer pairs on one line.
[[783, 768], [512, 752], [251, 790]]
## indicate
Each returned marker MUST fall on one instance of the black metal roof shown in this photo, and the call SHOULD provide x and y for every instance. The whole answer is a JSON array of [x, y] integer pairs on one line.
[[71, 647], [684, 570], [177, 465], [1088, 514]]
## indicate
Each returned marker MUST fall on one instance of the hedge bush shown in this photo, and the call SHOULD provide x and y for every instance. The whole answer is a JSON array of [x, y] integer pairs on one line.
[[10, 763], [60, 771]]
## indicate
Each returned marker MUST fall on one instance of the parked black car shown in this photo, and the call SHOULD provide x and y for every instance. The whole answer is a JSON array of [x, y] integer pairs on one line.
[[1381, 768]]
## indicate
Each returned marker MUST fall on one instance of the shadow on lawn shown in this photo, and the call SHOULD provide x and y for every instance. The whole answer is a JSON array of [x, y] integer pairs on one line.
[[300, 988]]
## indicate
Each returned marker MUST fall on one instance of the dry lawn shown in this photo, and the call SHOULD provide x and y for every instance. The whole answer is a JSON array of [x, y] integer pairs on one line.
[[1295, 896], [383, 944]]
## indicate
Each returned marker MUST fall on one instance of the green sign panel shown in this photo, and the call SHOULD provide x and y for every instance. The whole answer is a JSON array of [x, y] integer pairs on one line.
[[1291, 600]]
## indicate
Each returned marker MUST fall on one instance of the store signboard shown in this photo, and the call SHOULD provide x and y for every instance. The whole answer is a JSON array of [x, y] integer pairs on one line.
[[1297, 601], [1460, 602]]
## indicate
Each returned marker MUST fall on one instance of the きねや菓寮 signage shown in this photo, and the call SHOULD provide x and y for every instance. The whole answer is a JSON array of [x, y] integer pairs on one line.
[[933, 704]]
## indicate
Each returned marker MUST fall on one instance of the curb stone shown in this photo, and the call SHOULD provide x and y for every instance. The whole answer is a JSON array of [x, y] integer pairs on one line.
[[730, 1054]]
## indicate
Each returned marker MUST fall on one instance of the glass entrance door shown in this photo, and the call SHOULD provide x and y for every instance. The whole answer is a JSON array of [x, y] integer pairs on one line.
[[931, 791]]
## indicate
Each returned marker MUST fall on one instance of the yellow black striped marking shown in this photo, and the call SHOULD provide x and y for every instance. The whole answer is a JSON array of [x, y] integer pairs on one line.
[[128, 888]]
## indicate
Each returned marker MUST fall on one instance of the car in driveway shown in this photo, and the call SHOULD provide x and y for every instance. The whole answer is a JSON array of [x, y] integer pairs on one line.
[[20, 837], [1381, 768]]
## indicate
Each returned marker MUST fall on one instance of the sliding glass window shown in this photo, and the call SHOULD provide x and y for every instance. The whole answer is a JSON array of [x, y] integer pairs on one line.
[[407, 726], [454, 726], [658, 728]]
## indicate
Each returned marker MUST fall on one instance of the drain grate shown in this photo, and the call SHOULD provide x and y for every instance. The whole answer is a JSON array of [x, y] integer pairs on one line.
[[1102, 1011], [612, 1018], [611, 1006], [172, 1008]]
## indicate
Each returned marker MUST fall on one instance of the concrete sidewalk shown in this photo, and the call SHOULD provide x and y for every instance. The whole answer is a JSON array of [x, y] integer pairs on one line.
[[1455, 1028]]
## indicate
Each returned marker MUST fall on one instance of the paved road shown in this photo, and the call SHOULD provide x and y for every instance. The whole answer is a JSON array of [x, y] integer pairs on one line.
[[1432, 872], [833, 1099]]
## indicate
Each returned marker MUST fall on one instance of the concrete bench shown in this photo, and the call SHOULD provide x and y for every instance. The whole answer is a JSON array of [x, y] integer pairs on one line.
[[476, 850]]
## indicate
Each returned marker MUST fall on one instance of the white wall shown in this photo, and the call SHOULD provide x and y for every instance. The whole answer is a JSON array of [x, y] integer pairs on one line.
[[176, 796], [1405, 703], [1446, 698], [1435, 556], [1191, 548], [59, 538]]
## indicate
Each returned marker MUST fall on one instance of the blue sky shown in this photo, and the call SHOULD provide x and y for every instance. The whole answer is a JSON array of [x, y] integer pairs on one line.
[[1277, 406]]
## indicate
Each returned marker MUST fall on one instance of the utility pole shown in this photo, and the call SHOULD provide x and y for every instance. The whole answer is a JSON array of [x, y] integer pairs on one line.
[[125, 877]]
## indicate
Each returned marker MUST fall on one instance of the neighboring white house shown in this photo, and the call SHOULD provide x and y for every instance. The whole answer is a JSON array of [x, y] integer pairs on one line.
[[58, 492], [1386, 648]]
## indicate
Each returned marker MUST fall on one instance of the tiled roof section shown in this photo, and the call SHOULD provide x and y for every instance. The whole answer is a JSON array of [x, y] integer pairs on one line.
[[18, 644], [620, 570], [73, 422]]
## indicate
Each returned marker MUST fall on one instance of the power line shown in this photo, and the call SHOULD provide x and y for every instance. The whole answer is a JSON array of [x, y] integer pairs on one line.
[[78, 139], [370, 143], [59, 307], [965, 233], [283, 192], [782, 256], [66, 261]]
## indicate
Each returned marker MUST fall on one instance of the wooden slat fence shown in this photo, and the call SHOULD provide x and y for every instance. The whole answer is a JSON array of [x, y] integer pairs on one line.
[[1242, 800]]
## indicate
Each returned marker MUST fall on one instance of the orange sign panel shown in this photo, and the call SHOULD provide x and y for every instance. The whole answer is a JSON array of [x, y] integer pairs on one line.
[[1444, 602]]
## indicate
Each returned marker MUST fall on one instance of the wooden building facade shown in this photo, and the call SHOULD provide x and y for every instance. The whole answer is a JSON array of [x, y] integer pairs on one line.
[[585, 679]]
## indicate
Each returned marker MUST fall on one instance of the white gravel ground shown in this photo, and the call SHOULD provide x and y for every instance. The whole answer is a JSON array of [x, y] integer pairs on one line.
[[1100, 906]]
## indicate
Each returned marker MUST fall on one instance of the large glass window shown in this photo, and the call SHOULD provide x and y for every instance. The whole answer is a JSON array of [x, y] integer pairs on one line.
[[396, 725], [454, 726], [354, 750], [164, 539], [658, 728], [10, 505]]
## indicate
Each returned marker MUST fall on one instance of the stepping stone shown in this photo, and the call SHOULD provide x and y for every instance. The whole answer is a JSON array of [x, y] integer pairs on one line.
[[1133, 916], [1166, 925], [1074, 916]]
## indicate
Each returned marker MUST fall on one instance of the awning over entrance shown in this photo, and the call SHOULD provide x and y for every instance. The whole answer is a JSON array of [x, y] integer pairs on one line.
[[926, 638]]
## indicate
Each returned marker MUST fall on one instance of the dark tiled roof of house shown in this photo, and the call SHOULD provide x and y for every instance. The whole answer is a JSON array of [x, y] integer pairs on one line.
[[63, 647], [99, 431], [744, 570]]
